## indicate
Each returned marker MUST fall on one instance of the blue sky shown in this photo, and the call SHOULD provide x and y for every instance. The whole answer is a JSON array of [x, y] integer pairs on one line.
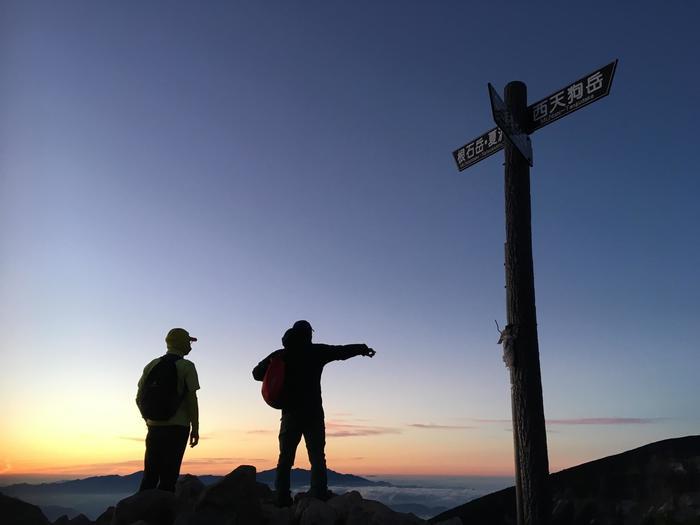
[[233, 167]]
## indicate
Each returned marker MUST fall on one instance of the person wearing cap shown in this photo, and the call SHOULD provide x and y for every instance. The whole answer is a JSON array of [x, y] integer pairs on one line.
[[166, 440], [302, 414]]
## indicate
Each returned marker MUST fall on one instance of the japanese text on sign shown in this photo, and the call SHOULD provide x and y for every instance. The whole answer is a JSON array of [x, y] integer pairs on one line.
[[479, 148], [581, 93]]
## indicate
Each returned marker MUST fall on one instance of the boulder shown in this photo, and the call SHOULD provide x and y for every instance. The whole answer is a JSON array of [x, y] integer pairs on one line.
[[188, 489], [157, 507], [345, 503], [275, 516], [264, 492], [203, 517], [18, 512], [235, 497], [312, 511]]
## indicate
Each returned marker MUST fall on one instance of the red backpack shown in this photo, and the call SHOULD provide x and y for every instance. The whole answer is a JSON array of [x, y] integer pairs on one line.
[[273, 383]]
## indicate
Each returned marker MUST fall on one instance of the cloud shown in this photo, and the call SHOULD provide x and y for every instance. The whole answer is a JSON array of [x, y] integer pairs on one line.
[[259, 431], [439, 427], [604, 421], [341, 429], [142, 439], [587, 421], [432, 500], [222, 461]]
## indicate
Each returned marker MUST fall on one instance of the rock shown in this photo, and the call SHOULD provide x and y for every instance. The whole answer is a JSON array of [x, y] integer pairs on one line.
[[562, 512], [18, 512], [106, 517], [188, 489], [312, 511], [235, 496], [157, 507], [343, 504], [264, 491], [275, 516], [202, 517], [62, 520]]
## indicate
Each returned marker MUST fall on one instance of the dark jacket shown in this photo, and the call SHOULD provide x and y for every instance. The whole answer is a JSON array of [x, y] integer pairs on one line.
[[304, 366]]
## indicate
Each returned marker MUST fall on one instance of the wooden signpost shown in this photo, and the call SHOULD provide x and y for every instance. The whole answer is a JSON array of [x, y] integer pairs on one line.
[[515, 122]]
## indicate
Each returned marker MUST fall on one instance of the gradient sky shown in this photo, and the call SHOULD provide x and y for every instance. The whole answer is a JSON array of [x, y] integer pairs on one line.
[[230, 167]]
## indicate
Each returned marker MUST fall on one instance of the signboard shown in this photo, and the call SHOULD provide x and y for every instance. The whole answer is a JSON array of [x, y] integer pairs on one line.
[[576, 95], [478, 149], [507, 122]]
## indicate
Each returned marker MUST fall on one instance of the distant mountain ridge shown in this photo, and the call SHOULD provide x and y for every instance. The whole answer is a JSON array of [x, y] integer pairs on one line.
[[130, 483], [115, 484], [93, 494]]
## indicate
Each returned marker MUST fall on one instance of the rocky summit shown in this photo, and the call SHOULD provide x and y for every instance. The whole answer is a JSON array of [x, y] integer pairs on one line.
[[236, 499]]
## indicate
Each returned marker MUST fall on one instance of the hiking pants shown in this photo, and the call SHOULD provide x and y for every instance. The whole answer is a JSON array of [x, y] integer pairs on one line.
[[310, 425], [165, 447]]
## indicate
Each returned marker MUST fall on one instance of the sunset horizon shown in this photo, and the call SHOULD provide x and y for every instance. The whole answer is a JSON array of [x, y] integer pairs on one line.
[[475, 219]]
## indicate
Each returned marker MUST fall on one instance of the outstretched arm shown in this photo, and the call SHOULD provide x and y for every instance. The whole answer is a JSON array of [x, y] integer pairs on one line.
[[343, 352]]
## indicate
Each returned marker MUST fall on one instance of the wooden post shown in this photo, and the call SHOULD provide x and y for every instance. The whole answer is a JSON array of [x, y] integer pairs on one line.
[[529, 435]]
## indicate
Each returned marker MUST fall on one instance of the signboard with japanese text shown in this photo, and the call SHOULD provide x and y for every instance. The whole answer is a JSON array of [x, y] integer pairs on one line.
[[576, 95], [478, 149], [507, 122]]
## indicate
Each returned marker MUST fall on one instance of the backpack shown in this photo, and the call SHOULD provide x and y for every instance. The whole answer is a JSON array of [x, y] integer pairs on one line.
[[273, 390], [158, 399]]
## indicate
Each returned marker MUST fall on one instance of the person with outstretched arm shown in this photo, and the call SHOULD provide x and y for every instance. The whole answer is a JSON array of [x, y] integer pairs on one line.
[[302, 411]]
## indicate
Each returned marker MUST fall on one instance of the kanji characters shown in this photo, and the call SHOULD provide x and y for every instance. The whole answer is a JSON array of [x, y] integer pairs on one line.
[[557, 100], [594, 82], [470, 151], [574, 92], [540, 111]]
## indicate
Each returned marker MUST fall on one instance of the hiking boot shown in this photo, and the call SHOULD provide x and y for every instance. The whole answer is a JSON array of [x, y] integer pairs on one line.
[[284, 501], [323, 496]]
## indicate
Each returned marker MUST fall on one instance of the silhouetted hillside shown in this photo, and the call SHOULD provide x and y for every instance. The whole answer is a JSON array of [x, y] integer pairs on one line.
[[658, 483]]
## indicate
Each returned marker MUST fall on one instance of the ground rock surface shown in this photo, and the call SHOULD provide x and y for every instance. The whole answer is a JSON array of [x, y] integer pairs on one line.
[[156, 507], [238, 499]]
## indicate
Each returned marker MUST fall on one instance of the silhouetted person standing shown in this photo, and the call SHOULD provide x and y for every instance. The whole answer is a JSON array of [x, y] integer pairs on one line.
[[167, 398], [302, 413]]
